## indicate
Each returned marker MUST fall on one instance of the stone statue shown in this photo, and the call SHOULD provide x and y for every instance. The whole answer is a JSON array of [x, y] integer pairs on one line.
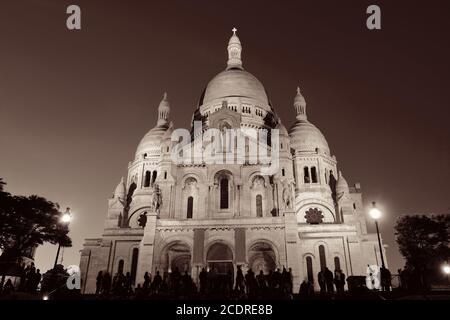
[[157, 198], [287, 196]]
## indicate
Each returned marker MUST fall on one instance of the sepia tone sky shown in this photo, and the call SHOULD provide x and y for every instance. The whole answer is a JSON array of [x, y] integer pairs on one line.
[[75, 104]]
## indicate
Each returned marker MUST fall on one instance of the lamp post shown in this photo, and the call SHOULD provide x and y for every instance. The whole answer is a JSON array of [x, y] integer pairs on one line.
[[375, 213], [65, 220]]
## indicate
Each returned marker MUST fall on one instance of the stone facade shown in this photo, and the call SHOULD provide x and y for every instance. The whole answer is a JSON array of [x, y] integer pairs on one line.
[[304, 216]]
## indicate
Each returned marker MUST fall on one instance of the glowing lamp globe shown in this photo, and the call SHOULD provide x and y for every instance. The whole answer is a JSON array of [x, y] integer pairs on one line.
[[446, 269], [66, 218], [375, 213]]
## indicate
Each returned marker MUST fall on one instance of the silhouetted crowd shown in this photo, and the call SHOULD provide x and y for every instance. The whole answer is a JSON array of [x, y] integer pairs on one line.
[[211, 284], [30, 277], [329, 283]]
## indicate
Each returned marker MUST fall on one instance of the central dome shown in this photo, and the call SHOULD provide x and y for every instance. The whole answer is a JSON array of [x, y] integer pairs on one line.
[[235, 83]]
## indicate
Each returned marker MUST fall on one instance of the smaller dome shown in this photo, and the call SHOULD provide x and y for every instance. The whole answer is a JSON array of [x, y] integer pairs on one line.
[[307, 137], [151, 142], [120, 190], [282, 128], [342, 185]]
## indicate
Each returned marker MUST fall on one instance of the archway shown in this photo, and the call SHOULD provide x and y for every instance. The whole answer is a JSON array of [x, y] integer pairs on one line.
[[220, 259], [261, 256], [177, 255]]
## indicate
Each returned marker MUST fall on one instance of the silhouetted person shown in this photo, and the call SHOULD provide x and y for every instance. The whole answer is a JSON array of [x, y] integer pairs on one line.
[[322, 281], [156, 284], [175, 278], [106, 283], [23, 277], [128, 283], [185, 283], [36, 280], [203, 277], [339, 280], [277, 279], [30, 278], [8, 287], [261, 281], [239, 280], [329, 280], [304, 289], [250, 282], [118, 283], [147, 282], [291, 280], [98, 282], [164, 286], [286, 281], [385, 279]]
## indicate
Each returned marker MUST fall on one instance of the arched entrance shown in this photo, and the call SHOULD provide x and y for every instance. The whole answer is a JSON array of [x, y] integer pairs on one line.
[[261, 256], [220, 259], [177, 255]]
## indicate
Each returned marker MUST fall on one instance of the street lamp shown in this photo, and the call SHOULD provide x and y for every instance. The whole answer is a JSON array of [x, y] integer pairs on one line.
[[65, 220], [375, 213], [446, 269]]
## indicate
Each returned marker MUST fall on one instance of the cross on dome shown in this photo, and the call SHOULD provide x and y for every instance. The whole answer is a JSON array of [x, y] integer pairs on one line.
[[234, 52]]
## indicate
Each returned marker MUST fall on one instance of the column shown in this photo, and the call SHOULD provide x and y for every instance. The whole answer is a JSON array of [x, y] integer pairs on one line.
[[198, 253], [145, 260], [292, 256]]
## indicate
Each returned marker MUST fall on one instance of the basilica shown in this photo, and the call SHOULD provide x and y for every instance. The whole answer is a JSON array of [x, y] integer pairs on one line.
[[189, 215]]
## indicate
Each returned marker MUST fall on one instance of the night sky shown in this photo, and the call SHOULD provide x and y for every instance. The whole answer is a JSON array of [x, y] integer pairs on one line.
[[75, 104]]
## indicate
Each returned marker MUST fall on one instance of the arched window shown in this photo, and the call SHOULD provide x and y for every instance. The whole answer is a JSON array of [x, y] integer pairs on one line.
[[154, 177], [120, 266], [165, 175], [134, 263], [259, 208], [282, 172], [332, 183], [306, 175], [147, 179], [190, 207], [323, 259], [314, 174], [337, 263], [309, 269], [224, 193]]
